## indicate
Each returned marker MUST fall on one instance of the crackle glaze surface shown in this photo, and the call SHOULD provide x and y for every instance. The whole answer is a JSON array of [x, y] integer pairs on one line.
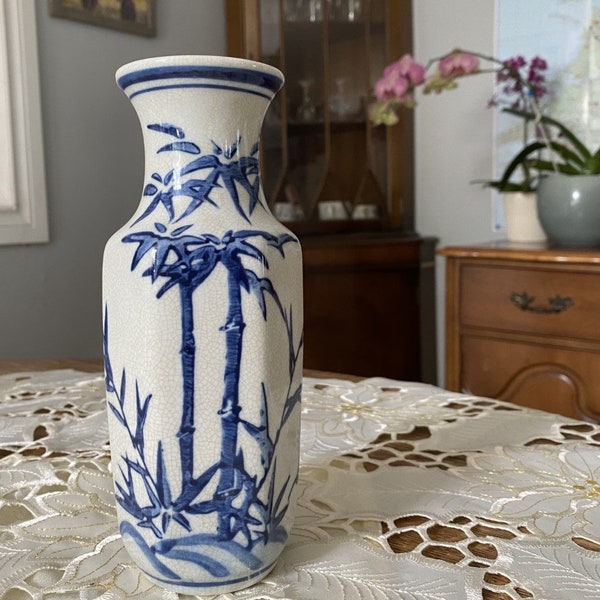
[[203, 334]]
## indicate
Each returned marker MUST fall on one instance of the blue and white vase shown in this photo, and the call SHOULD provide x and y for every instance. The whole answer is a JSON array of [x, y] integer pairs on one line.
[[202, 294]]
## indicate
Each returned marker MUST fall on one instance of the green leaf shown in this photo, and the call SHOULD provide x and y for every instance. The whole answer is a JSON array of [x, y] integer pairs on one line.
[[593, 164], [519, 159], [567, 155], [564, 130], [546, 165]]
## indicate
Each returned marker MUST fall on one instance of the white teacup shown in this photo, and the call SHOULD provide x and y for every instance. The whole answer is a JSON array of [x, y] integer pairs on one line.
[[332, 210], [365, 211], [285, 211]]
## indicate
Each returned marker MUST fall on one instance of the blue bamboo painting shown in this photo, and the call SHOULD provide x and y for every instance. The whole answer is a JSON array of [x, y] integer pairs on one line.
[[248, 506]]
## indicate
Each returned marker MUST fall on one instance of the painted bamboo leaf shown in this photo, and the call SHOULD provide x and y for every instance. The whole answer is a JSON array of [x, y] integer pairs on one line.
[[109, 381], [231, 151], [162, 480], [261, 286], [188, 147], [121, 395], [172, 130], [163, 198], [290, 404], [150, 189], [117, 413], [192, 493], [199, 164], [128, 530], [198, 190], [180, 230]]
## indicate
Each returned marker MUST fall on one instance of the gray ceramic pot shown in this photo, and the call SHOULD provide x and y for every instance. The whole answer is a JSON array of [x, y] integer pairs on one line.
[[569, 209]]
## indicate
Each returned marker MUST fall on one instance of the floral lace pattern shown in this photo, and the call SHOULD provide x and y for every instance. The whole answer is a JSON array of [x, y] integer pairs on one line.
[[407, 491]]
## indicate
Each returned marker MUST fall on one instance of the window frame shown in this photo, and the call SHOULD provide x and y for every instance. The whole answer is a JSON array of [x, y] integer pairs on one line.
[[23, 202]]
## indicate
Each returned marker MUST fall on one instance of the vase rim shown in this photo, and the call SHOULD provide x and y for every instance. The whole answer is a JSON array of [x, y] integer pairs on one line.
[[196, 66]]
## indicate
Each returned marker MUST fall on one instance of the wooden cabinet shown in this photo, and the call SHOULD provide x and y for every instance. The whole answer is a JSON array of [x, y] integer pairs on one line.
[[368, 281], [369, 303], [523, 325], [318, 145]]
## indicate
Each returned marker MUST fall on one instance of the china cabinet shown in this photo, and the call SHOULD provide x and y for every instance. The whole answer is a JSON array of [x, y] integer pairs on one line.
[[342, 185], [318, 145], [522, 325]]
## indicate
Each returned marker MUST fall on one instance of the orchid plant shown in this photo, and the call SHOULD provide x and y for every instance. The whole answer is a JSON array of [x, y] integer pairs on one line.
[[520, 87]]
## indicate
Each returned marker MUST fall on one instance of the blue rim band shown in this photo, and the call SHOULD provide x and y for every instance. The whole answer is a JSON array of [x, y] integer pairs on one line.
[[212, 86], [229, 74]]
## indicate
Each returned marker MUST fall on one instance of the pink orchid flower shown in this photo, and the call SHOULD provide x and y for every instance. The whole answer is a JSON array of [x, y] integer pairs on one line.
[[457, 64], [399, 78]]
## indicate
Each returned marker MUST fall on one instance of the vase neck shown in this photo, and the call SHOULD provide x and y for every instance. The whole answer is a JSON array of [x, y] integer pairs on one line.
[[201, 119], [211, 102]]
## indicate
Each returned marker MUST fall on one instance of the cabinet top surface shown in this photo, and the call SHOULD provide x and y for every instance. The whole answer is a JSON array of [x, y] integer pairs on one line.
[[503, 250]]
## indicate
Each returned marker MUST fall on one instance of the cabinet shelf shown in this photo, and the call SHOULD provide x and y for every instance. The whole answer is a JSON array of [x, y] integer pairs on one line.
[[340, 31], [334, 125]]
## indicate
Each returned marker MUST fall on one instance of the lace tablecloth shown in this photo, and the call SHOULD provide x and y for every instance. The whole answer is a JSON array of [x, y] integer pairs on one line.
[[407, 491]]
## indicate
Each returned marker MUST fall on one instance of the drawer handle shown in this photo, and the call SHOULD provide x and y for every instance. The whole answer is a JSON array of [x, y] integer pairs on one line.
[[556, 304]]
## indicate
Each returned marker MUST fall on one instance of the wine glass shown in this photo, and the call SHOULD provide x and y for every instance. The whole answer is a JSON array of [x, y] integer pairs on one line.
[[343, 103], [292, 10], [339, 104], [354, 10], [307, 110], [345, 10], [303, 10], [315, 10]]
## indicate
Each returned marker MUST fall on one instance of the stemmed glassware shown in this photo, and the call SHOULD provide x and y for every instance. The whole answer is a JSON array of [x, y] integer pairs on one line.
[[307, 110], [303, 10], [345, 10], [340, 105]]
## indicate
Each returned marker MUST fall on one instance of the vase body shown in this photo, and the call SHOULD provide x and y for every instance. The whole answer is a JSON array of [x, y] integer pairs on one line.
[[202, 295], [569, 209], [520, 216]]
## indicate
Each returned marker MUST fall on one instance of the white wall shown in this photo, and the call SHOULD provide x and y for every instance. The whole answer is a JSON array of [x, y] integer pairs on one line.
[[50, 294], [454, 136]]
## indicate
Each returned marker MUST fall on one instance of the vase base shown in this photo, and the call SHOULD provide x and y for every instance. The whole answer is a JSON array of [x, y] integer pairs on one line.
[[520, 215], [527, 239], [211, 588]]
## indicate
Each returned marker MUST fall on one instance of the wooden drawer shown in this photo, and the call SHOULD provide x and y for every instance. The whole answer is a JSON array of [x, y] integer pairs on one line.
[[555, 379], [487, 300]]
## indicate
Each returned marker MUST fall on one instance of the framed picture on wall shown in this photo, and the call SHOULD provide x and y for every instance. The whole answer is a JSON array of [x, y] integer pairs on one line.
[[132, 16]]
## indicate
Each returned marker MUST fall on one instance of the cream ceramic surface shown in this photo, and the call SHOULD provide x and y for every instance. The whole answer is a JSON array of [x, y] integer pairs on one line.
[[521, 218]]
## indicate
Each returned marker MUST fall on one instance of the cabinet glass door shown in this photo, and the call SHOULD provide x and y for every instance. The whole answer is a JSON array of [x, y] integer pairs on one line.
[[325, 167]]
